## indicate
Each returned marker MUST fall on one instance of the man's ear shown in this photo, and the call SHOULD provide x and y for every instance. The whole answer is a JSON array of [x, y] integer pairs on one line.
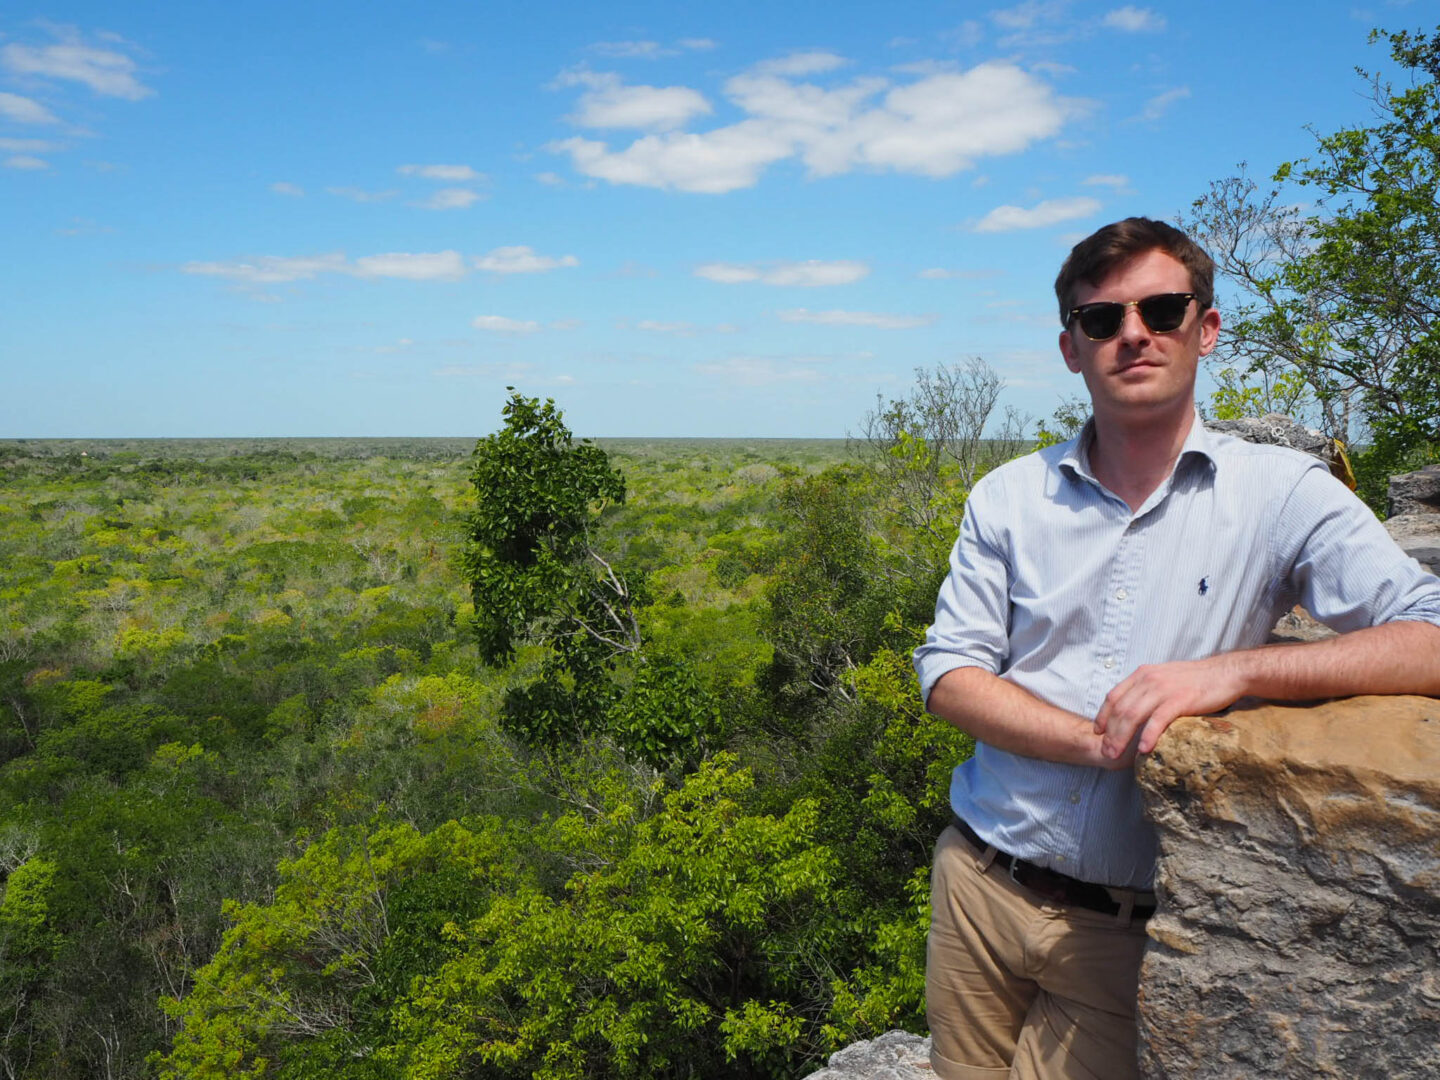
[[1209, 330], [1067, 350]]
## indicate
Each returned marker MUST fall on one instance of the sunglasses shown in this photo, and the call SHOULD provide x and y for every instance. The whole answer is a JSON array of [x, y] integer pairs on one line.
[[1160, 313]]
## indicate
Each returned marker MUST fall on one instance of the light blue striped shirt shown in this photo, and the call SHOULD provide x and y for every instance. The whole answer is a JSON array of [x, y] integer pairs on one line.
[[1056, 586]]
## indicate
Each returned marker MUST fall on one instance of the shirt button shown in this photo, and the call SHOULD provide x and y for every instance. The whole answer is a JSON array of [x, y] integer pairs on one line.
[[1074, 796], [1059, 858], [1120, 594], [1108, 662]]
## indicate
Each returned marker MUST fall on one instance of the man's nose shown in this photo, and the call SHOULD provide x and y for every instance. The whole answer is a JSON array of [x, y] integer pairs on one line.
[[1132, 326]]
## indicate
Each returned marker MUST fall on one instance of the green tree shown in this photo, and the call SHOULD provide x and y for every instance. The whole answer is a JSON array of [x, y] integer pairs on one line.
[[1346, 296], [535, 572]]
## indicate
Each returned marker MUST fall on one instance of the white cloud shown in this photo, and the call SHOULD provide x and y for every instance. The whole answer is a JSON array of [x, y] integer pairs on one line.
[[873, 319], [757, 371], [28, 146], [506, 371], [1049, 212], [608, 103], [647, 50], [24, 110], [810, 273], [934, 126], [450, 198], [281, 187], [653, 326], [550, 178], [810, 62], [500, 324], [424, 266], [272, 269], [1155, 108], [452, 173], [26, 161], [360, 195], [521, 260], [650, 50], [103, 70], [276, 269], [722, 160], [1133, 20], [1114, 180]]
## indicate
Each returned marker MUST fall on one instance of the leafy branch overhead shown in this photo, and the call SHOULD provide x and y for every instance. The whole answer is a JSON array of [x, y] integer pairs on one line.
[[1345, 298]]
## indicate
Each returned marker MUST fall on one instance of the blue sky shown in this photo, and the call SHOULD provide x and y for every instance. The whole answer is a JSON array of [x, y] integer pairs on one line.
[[737, 219]]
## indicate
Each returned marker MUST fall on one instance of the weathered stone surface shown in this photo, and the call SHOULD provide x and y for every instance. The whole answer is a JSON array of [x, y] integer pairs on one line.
[[1299, 930], [1415, 492], [1277, 429], [1298, 625], [1418, 536], [896, 1055]]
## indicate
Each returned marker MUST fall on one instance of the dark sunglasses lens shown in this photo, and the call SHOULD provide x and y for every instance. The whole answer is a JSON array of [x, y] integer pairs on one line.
[[1101, 321], [1165, 312]]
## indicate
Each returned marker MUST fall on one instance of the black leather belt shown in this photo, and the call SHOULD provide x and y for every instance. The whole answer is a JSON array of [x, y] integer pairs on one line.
[[1053, 885]]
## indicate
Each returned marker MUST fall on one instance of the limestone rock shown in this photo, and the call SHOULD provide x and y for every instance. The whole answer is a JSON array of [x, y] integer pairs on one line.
[[1415, 492], [1418, 535], [1277, 429], [896, 1055], [1299, 877]]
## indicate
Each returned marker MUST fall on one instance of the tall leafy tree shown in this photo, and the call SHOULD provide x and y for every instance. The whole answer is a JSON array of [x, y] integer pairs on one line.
[[1347, 297], [535, 572]]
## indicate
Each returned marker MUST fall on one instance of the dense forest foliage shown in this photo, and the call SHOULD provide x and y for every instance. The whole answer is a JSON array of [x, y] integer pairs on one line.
[[276, 800]]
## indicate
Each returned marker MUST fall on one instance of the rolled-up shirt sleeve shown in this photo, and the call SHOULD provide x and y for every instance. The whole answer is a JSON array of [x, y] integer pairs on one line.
[[1343, 565], [972, 612]]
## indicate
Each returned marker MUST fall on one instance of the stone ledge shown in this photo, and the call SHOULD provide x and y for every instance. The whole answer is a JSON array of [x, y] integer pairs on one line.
[[1299, 930]]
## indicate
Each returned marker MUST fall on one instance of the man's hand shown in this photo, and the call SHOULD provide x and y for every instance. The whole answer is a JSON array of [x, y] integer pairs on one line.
[[1137, 712]]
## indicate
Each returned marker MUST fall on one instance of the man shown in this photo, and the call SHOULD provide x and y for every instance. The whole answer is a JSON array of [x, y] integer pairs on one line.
[[1098, 590]]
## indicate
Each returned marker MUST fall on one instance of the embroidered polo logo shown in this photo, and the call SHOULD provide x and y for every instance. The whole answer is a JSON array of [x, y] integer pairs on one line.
[[1204, 585]]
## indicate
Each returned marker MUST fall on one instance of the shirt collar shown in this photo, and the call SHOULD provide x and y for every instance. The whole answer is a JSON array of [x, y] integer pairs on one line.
[[1075, 457]]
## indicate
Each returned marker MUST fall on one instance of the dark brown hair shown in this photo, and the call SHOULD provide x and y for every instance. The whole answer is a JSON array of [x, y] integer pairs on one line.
[[1117, 243]]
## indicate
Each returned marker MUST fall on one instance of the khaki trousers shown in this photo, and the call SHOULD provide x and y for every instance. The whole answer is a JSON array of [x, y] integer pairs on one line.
[[1020, 987]]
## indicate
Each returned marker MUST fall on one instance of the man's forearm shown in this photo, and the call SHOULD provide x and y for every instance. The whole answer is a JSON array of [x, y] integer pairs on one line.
[[1009, 718], [1396, 658]]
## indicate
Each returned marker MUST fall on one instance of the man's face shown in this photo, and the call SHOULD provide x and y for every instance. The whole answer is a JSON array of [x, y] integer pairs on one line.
[[1139, 372]]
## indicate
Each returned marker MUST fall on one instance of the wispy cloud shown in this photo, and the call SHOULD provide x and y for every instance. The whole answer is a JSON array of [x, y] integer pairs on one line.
[[1133, 20], [811, 273], [1113, 180], [424, 266], [105, 71], [655, 326], [650, 50], [28, 146], [26, 162], [24, 110], [758, 371], [454, 198], [936, 125], [454, 174], [1157, 106], [282, 187], [608, 103], [360, 195], [1049, 212], [278, 269], [521, 259], [873, 319], [798, 64], [501, 325]]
